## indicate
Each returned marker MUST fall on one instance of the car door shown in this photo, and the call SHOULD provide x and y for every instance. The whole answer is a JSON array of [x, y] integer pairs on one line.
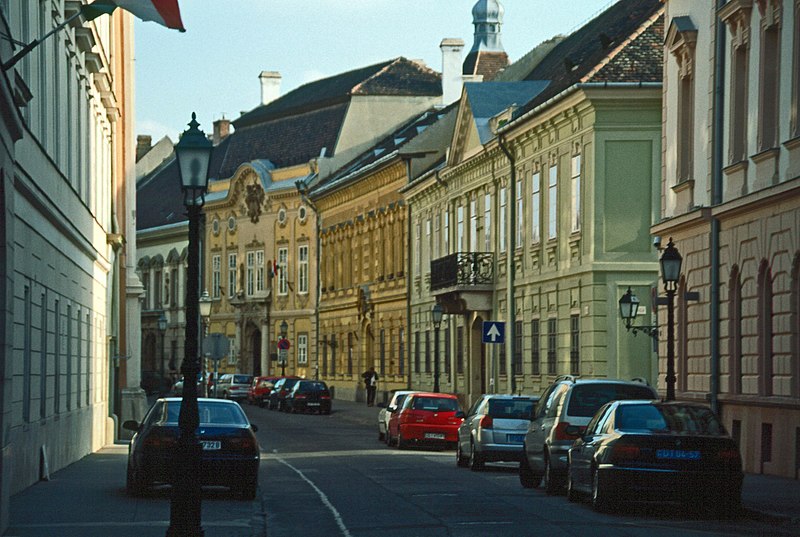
[[585, 447], [469, 424], [540, 428]]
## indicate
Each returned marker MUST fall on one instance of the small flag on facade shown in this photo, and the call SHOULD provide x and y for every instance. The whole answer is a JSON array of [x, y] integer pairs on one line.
[[164, 12]]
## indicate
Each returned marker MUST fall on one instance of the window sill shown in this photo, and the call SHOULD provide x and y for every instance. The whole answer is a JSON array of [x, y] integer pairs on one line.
[[793, 143]]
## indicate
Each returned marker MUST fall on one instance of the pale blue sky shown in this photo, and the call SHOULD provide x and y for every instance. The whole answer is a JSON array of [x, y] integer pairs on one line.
[[213, 67]]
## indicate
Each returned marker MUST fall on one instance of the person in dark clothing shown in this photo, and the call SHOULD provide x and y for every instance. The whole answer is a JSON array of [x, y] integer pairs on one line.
[[371, 382]]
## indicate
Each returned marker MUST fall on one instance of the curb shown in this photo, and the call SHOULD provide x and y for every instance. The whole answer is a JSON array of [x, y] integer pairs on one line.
[[773, 519]]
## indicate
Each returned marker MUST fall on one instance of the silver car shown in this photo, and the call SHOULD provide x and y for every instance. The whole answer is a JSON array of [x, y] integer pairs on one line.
[[386, 411], [494, 429]]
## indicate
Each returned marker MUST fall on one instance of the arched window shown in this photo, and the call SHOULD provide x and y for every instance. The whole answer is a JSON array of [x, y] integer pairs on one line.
[[735, 331], [764, 329]]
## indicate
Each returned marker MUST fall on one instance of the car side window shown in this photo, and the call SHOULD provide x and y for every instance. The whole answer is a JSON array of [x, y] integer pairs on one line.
[[538, 410], [555, 402], [474, 408], [605, 420]]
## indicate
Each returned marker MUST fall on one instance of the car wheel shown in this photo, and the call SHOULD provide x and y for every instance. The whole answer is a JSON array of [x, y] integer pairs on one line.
[[600, 495], [475, 458], [552, 484], [389, 440], [572, 494], [461, 460], [381, 436], [133, 486], [527, 478], [401, 444]]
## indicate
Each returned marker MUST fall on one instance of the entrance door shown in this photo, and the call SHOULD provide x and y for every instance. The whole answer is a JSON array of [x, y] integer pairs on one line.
[[255, 348]]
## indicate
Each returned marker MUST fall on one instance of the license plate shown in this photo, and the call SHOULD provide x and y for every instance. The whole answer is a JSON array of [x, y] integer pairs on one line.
[[678, 454], [210, 445], [313, 404], [516, 438], [435, 436]]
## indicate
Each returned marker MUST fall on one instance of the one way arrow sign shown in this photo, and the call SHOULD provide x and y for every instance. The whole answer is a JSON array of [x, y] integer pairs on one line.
[[494, 332]]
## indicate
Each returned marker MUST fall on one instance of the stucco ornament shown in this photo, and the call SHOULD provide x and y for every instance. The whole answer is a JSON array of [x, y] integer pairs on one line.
[[254, 199]]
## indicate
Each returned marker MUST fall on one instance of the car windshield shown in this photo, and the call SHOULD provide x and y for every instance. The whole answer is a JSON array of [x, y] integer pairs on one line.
[[436, 404], [516, 409], [587, 398], [668, 419], [211, 413], [241, 379]]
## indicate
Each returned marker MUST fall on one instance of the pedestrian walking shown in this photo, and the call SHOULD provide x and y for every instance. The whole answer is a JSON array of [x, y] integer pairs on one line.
[[371, 382]]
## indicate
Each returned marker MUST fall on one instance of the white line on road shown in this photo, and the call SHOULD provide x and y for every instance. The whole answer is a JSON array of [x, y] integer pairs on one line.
[[265, 455], [336, 515]]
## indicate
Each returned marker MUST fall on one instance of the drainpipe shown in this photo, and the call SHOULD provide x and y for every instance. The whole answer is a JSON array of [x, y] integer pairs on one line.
[[302, 189], [716, 199], [510, 265]]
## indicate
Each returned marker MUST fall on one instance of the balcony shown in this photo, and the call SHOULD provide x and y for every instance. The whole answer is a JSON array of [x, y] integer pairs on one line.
[[463, 281]]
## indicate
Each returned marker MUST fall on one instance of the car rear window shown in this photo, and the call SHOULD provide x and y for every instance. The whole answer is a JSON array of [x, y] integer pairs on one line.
[[668, 419], [242, 379], [210, 413], [435, 404], [517, 409], [586, 399], [313, 387]]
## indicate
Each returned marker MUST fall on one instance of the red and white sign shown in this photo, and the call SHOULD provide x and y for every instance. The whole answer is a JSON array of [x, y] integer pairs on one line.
[[284, 344]]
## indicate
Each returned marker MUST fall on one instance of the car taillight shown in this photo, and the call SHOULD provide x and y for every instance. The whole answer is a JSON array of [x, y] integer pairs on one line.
[[300, 396], [486, 422], [625, 453], [160, 442], [326, 397], [560, 432], [245, 443], [731, 455]]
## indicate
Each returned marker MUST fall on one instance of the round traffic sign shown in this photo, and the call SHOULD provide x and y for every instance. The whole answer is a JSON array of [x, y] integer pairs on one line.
[[283, 344]]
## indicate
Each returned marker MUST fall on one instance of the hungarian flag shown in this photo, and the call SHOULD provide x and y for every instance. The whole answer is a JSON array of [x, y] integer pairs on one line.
[[164, 12]]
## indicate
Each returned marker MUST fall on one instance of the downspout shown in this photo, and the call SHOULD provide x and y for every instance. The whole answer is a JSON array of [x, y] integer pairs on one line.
[[302, 189], [410, 250], [716, 199], [510, 266]]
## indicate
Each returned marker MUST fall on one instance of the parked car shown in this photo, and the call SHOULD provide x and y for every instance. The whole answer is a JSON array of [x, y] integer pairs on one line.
[[428, 418], [386, 411], [282, 387], [259, 390], [649, 450], [309, 395], [567, 402], [230, 449], [233, 386], [494, 429]]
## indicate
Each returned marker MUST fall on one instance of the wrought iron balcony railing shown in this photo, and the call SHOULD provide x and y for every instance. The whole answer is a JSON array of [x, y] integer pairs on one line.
[[462, 269]]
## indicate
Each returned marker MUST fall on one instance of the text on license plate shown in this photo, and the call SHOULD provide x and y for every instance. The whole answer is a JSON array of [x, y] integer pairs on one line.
[[516, 438], [209, 445], [435, 436], [313, 404], [678, 454]]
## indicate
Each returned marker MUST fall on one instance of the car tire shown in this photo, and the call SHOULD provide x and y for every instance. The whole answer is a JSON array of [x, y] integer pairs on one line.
[[601, 502], [572, 494], [461, 461], [401, 444], [527, 478], [552, 485], [381, 435], [388, 438], [133, 486], [475, 458]]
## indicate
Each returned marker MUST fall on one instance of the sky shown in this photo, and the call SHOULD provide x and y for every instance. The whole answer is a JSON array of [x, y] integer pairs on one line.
[[212, 68]]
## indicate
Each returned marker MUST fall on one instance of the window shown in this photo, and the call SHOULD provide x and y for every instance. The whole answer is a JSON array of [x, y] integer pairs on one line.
[[574, 345], [487, 222], [350, 354], [382, 352], [446, 237], [427, 351], [302, 349], [737, 16], [259, 271], [552, 203], [416, 353], [447, 349], [216, 266], [173, 288], [158, 289], [535, 348], [765, 329], [770, 74], [576, 193], [681, 41], [232, 356], [401, 352], [302, 269], [473, 225], [520, 217], [251, 273], [428, 235], [460, 350], [536, 207], [283, 261], [551, 346], [231, 275], [735, 331], [516, 357], [418, 248], [460, 228], [324, 368], [503, 216]]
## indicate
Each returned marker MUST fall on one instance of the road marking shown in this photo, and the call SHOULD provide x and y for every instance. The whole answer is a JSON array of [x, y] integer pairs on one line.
[[336, 515], [352, 453]]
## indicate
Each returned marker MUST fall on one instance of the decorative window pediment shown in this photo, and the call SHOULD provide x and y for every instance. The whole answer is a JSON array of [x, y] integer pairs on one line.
[[736, 14], [770, 11], [681, 41]]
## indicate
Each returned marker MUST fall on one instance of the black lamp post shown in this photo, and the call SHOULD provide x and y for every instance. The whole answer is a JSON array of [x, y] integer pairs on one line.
[[436, 316], [193, 153], [162, 330], [284, 332]]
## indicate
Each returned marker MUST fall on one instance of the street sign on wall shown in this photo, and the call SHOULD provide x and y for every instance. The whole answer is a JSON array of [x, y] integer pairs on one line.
[[494, 332]]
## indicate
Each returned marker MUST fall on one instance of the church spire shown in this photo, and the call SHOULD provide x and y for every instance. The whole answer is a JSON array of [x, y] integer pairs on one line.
[[487, 57]]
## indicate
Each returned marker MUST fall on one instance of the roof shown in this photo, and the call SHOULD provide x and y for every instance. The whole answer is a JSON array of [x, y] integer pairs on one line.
[[486, 63], [487, 99]]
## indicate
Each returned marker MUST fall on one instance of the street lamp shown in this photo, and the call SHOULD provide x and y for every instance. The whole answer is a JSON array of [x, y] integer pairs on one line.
[[162, 329], [284, 332], [436, 315], [204, 303], [193, 153]]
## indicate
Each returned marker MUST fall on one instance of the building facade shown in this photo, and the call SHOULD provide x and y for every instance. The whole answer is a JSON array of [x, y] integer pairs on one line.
[[731, 203], [66, 178]]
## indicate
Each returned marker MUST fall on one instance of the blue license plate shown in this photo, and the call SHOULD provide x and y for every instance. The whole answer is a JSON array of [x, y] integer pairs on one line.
[[678, 454], [516, 438]]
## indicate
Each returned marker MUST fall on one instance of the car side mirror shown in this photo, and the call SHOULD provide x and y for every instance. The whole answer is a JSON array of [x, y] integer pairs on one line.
[[131, 425], [460, 414], [254, 427]]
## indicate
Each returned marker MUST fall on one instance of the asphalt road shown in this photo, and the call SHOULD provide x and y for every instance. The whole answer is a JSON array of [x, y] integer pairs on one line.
[[327, 476]]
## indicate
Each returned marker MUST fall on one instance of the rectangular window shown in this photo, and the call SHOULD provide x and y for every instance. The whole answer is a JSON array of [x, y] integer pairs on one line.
[[349, 353], [536, 207], [251, 273], [770, 82], [259, 271], [520, 217], [324, 367], [417, 355], [302, 349], [401, 352], [473, 225], [158, 290], [460, 350], [437, 236], [418, 248], [487, 222], [576, 193], [427, 351], [216, 267], [232, 270], [232, 357], [447, 353], [517, 352], [685, 142], [738, 106], [551, 346], [460, 229], [302, 269], [574, 345], [383, 353], [536, 357], [503, 215], [283, 263], [173, 288], [446, 236], [552, 204], [428, 235], [333, 354]]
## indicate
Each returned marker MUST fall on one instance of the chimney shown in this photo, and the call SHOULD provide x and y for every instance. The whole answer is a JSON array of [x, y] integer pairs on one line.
[[143, 145], [222, 128], [270, 86], [452, 80]]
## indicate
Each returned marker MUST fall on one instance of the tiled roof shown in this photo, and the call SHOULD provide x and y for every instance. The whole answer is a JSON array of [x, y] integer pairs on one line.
[[486, 63], [635, 62]]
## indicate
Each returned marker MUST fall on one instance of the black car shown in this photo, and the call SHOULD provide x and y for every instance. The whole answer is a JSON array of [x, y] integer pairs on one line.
[[649, 450], [277, 397], [230, 456], [309, 395]]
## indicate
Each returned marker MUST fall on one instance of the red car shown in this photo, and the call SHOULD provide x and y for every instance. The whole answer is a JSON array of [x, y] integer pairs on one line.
[[425, 418], [259, 390]]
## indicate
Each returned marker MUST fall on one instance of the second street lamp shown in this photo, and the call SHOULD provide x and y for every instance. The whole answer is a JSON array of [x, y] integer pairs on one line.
[[283, 352], [204, 303], [436, 316]]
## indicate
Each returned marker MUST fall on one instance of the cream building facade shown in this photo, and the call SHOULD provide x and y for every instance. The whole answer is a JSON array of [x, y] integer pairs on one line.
[[731, 203]]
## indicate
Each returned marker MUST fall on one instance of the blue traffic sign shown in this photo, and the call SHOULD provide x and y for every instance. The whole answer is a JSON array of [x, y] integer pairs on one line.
[[494, 332]]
